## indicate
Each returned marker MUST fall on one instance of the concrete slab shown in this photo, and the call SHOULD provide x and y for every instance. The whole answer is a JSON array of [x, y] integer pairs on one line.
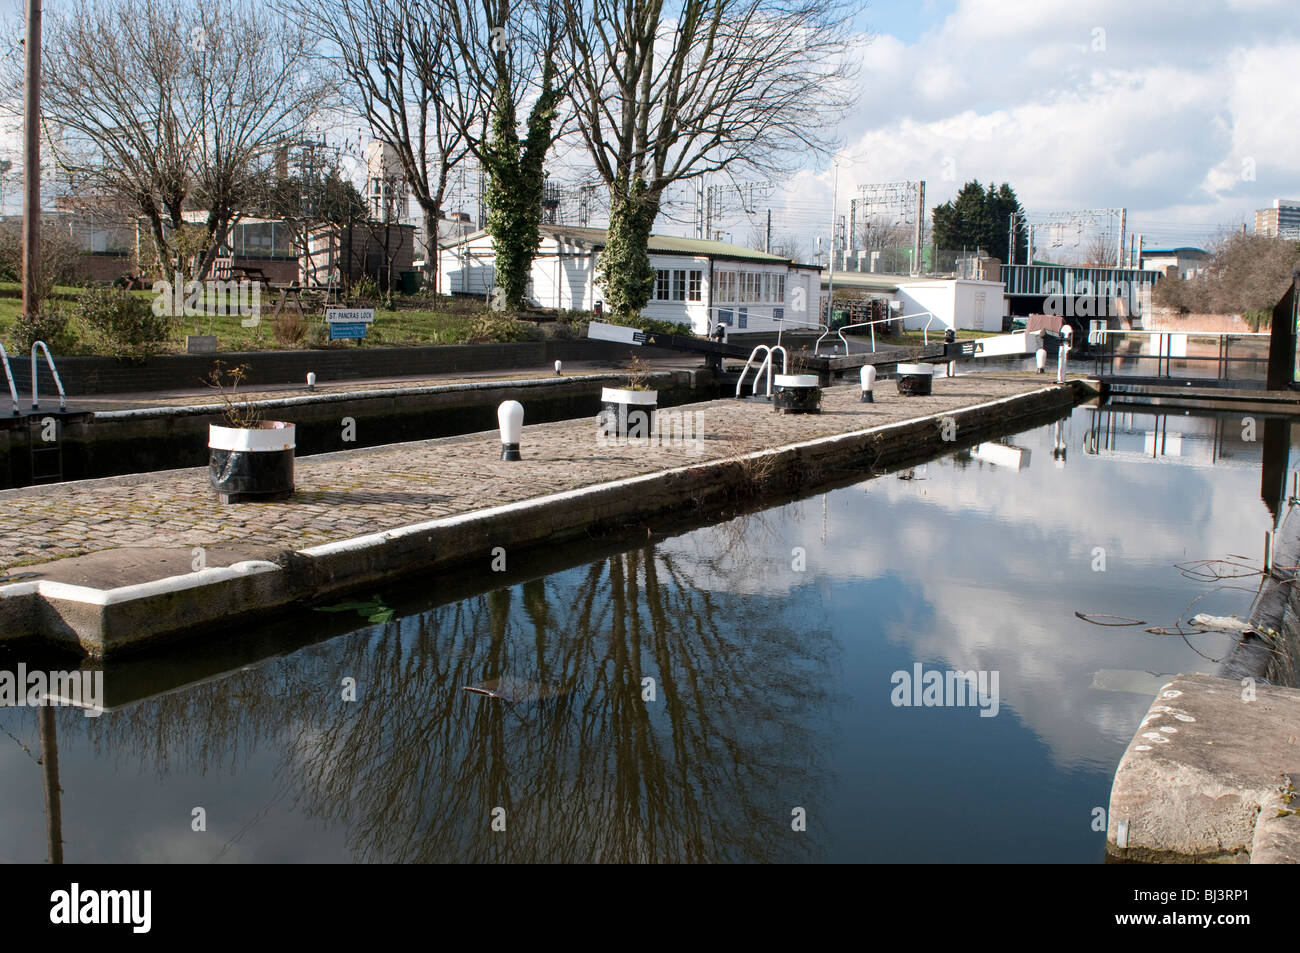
[[1207, 759]]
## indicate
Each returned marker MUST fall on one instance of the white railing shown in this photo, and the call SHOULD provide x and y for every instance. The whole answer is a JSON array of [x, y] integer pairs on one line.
[[9, 374], [849, 327], [762, 314], [766, 365], [63, 399]]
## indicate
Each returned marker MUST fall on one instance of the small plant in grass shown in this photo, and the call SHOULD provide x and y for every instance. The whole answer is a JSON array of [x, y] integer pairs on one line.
[[290, 328], [52, 327], [123, 325], [238, 412], [365, 289], [501, 327]]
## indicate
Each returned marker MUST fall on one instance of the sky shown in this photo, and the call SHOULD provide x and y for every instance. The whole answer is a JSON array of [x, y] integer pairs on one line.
[[1184, 112]]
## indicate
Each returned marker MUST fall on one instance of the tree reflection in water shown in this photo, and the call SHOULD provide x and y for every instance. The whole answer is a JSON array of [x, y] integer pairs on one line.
[[708, 771]]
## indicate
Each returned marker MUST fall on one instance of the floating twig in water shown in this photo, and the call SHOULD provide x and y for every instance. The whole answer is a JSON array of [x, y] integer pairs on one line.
[[1093, 617]]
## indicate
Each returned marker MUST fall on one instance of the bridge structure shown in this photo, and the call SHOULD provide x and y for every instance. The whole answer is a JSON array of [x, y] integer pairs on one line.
[[1081, 291]]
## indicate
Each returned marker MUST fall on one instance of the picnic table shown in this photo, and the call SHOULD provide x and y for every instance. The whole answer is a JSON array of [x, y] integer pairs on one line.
[[249, 273]]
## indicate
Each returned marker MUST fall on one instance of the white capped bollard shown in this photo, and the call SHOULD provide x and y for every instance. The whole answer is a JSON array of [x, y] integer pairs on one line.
[[1063, 355], [311, 380], [510, 415], [1040, 359], [558, 365], [868, 376]]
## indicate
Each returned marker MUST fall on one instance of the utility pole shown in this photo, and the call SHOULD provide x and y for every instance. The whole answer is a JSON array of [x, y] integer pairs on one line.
[[32, 161], [920, 224], [1119, 248], [1011, 239], [767, 240], [830, 282], [853, 225]]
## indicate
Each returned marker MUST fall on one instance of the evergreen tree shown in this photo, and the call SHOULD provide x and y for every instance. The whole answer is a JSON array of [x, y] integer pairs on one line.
[[981, 218]]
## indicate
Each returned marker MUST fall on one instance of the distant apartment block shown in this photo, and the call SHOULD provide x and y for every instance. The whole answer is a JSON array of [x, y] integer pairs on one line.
[[1282, 220]]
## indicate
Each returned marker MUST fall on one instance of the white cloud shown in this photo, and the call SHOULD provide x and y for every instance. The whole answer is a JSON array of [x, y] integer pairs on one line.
[[1182, 98]]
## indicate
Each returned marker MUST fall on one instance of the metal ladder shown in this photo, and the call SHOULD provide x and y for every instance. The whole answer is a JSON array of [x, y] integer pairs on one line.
[[45, 456], [63, 398], [9, 376], [766, 365], [42, 450]]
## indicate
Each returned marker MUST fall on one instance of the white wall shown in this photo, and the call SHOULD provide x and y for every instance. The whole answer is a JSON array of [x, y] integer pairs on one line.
[[958, 304], [563, 276], [468, 268], [694, 313], [761, 315], [938, 297], [980, 305]]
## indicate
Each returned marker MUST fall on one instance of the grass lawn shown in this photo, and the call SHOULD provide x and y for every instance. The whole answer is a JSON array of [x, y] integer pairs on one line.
[[917, 337], [417, 321]]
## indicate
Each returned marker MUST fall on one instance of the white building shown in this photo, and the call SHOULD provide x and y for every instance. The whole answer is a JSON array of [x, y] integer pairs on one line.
[[700, 283], [1183, 262], [963, 304]]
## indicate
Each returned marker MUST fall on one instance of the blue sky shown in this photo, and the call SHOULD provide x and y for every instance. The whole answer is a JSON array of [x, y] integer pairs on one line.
[[1185, 112], [905, 20]]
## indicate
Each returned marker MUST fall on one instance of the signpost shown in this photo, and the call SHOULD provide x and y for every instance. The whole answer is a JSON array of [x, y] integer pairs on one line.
[[345, 323]]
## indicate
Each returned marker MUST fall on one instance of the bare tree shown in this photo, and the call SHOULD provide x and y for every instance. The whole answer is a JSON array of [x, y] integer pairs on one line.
[[401, 71], [510, 51], [1100, 251], [171, 107], [878, 236], [668, 91]]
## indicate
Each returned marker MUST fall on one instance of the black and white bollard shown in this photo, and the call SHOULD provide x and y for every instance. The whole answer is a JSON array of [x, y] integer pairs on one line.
[[510, 415], [311, 380], [1040, 359], [868, 375]]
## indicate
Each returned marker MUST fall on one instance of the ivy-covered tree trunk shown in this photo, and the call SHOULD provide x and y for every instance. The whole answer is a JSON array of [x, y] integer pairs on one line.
[[515, 181], [623, 268]]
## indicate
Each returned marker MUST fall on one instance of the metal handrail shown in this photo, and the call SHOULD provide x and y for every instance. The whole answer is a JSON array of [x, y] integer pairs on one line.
[[1199, 334], [1164, 350], [63, 399], [780, 328], [765, 365], [863, 324], [925, 331], [9, 374]]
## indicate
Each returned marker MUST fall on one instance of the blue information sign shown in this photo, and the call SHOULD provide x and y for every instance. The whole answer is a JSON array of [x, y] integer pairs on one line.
[[340, 329]]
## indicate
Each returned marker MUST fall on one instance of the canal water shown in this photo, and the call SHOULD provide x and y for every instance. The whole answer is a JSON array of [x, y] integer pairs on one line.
[[738, 692]]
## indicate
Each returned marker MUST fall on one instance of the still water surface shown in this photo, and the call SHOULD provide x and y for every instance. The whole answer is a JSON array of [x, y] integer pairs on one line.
[[770, 645]]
